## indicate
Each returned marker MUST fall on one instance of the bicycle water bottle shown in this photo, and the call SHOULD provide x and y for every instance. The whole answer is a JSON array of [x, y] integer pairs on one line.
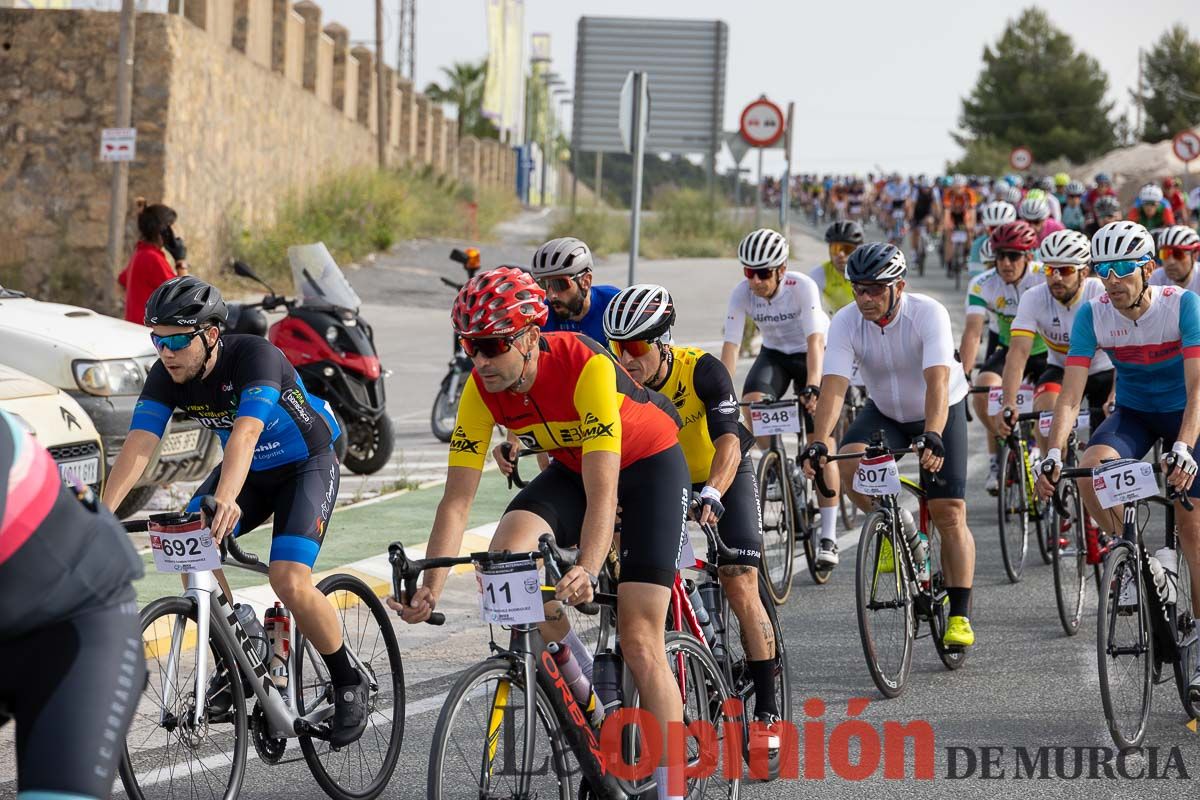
[[606, 670], [918, 545], [710, 595], [584, 694], [1163, 585], [701, 612], [254, 629], [278, 622]]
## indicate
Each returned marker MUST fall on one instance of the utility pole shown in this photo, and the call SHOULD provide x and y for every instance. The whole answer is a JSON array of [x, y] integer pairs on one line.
[[120, 179], [381, 127]]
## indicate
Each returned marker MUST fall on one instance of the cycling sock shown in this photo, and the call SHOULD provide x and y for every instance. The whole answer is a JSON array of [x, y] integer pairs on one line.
[[829, 524], [582, 654], [341, 671], [960, 601], [763, 675], [660, 778]]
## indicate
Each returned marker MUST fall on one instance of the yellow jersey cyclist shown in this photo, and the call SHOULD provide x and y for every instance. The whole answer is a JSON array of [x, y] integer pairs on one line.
[[72, 665], [612, 442], [999, 294], [638, 325], [830, 277], [1152, 335], [278, 462], [917, 395]]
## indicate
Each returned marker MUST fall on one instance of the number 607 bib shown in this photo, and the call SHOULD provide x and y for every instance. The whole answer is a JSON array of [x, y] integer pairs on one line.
[[877, 476]]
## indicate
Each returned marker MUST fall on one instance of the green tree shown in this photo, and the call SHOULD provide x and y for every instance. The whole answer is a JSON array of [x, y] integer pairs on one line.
[[1036, 90], [1173, 75], [464, 91]]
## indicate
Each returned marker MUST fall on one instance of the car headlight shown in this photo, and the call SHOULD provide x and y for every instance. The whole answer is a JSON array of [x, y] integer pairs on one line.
[[104, 378]]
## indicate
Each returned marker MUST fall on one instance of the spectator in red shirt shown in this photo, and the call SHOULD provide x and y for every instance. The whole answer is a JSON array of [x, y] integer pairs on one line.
[[148, 267]]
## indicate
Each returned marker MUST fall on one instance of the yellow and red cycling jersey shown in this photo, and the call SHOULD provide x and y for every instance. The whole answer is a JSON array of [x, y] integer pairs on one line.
[[582, 401]]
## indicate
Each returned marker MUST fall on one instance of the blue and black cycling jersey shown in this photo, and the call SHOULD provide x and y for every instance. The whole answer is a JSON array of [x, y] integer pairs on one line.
[[253, 378]]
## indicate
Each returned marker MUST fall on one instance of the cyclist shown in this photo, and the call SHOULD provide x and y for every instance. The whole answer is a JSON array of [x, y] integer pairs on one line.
[[278, 461], [1047, 311], [1046, 187], [958, 212], [1000, 295], [893, 201], [786, 307], [638, 323], [1158, 383], [71, 660], [1103, 188], [925, 209], [1173, 196], [1061, 181], [1151, 212], [563, 268], [612, 441], [1036, 211], [1106, 210], [1073, 216], [856, 199], [987, 256], [992, 215], [905, 351], [1178, 249], [830, 277]]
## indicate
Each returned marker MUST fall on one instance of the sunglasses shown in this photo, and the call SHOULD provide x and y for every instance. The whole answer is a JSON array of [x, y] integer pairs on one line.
[[870, 289], [555, 284], [1165, 253], [633, 347], [488, 347], [842, 248], [762, 273], [176, 341], [1063, 271], [1010, 255], [1122, 269]]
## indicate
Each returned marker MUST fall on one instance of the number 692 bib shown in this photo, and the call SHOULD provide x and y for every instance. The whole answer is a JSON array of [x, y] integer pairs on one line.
[[184, 548]]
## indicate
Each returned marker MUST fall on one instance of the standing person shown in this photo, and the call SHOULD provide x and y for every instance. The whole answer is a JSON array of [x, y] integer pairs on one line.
[[563, 269], [148, 268]]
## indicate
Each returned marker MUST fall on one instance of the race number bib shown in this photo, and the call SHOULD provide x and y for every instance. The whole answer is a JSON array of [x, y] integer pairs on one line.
[[877, 476], [1124, 481], [958, 237], [510, 593], [1082, 422], [768, 419], [996, 399], [184, 548], [897, 213]]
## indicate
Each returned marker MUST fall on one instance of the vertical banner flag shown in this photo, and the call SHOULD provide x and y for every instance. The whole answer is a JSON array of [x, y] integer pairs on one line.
[[494, 84], [514, 88]]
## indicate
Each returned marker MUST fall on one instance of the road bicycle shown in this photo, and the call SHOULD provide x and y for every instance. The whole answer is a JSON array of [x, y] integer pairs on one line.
[[856, 398], [957, 265], [445, 403], [924, 242], [895, 588], [1018, 504], [192, 729], [511, 724], [1145, 618]]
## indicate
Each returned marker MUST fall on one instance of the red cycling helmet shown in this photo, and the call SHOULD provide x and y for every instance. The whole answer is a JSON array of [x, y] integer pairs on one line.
[[1018, 235], [499, 302]]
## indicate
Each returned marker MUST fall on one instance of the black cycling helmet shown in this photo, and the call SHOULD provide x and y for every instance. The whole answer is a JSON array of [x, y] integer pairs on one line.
[[844, 231], [877, 262], [185, 301]]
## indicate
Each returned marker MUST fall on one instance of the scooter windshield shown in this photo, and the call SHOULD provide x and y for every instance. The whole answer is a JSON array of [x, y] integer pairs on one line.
[[318, 279]]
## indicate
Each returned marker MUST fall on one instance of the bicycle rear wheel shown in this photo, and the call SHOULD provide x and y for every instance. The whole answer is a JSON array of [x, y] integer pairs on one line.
[[479, 742], [166, 754], [778, 521], [1069, 554], [1013, 516], [1184, 626], [886, 624], [361, 770], [1124, 652]]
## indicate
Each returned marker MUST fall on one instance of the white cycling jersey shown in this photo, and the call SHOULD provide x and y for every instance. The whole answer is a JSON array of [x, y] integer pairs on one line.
[[1159, 278], [785, 320], [993, 324], [1040, 314], [892, 359]]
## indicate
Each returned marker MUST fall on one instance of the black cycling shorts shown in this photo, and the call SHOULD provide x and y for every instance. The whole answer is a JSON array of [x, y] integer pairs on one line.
[[72, 688], [741, 526], [952, 480], [1034, 365], [653, 493], [300, 495], [773, 371], [993, 342], [1096, 392]]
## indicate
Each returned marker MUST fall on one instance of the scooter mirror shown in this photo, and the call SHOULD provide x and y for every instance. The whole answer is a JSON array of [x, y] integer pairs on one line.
[[459, 256], [242, 270]]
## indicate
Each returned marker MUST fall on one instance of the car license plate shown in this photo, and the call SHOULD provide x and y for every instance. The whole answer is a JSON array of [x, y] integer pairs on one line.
[[86, 470], [179, 442]]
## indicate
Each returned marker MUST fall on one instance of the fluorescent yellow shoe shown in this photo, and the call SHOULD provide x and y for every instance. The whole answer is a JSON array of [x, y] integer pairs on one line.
[[886, 563], [958, 633]]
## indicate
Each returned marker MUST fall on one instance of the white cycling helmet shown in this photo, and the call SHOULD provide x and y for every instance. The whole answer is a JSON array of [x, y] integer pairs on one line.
[[763, 248], [567, 256], [987, 253], [1034, 208], [1179, 236], [997, 212], [1075, 188], [1008, 194], [1065, 247], [1150, 193], [1121, 241], [959, 181], [642, 312]]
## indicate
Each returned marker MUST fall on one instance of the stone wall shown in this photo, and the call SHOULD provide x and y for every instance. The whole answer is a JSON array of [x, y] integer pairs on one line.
[[239, 104]]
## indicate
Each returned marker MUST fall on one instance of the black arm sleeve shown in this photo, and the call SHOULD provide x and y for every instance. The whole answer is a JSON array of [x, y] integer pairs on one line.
[[714, 387]]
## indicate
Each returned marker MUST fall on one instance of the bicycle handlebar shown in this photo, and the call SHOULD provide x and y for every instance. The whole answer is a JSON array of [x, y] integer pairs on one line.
[[710, 532], [514, 477], [208, 509], [1073, 473]]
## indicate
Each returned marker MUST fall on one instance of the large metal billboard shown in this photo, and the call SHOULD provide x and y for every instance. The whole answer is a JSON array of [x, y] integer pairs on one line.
[[685, 59]]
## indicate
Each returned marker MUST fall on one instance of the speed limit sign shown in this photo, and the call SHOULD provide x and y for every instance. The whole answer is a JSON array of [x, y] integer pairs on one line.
[[1186, 145], [1021, 158]]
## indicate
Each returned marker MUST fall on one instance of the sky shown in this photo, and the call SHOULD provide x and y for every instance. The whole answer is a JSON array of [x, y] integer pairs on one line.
[[877, 85]]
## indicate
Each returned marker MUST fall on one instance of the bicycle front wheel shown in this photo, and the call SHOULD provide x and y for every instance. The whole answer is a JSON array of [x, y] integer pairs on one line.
[[361, 770], [166, 753], [886, 624], [741, 683], [1068, 549], [779, 523], [1184, 626], [1013, 515], [479, 742], [1124, 650]]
